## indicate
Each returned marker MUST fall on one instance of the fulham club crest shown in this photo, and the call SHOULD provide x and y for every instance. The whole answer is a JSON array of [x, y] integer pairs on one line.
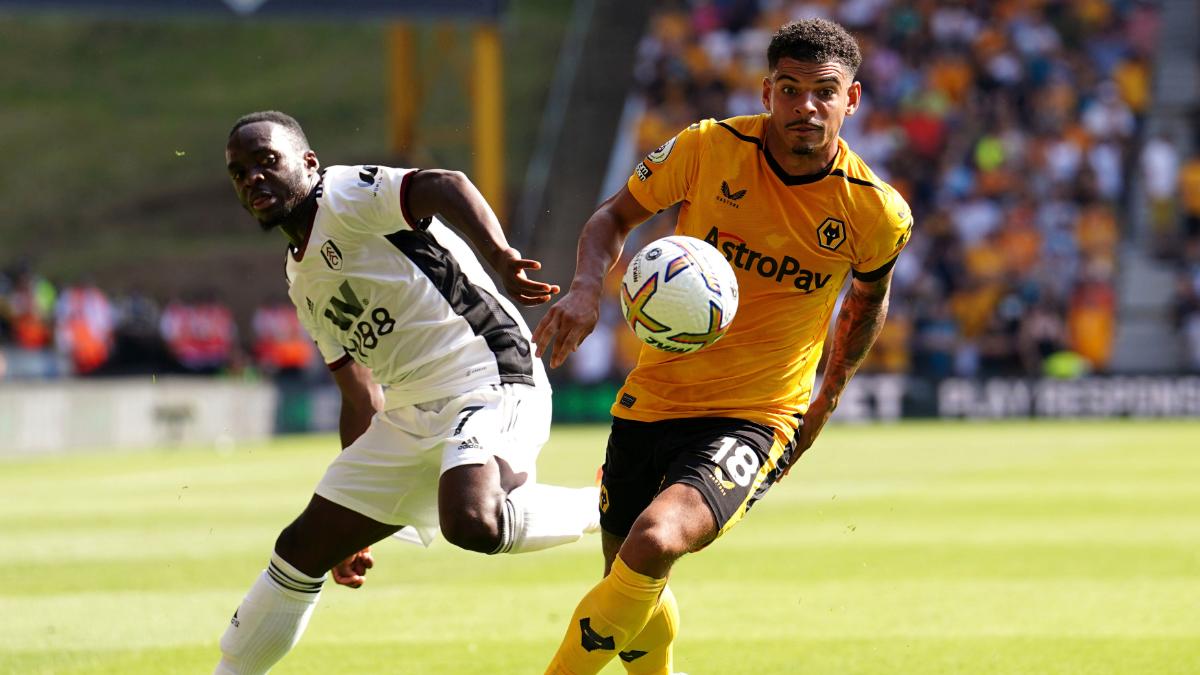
[[332, 255]]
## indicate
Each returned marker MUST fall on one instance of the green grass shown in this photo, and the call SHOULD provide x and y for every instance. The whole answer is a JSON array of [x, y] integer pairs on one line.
[[1042, 548]]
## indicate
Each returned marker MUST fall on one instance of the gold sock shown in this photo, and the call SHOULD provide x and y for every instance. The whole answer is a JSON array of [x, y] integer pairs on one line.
[[650, 652], [606, 620]]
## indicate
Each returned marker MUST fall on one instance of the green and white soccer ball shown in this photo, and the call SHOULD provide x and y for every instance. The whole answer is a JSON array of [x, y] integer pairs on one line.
[[679, 294]]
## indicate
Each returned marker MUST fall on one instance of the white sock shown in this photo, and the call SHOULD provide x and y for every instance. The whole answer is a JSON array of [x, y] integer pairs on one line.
[[541, 516], [270, 619]]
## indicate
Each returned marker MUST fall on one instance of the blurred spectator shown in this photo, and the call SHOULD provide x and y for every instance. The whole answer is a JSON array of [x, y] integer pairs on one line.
[[30, 309], [1091, 318], [84, 327], [1186, 303], [1189, 191], [281, 345], [1042, 334], [936, 342], [139, 347], [1096, 234], [1107, 116], [1132, 79], [1187, 317], [999, 345], [200, 336], [1160, 176], [6, 287]]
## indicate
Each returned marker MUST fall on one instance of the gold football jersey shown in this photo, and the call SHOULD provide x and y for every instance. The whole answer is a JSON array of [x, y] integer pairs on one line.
[[791, 241]]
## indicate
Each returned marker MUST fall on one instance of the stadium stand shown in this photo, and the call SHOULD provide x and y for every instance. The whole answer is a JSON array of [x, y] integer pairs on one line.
[[1012, 127]]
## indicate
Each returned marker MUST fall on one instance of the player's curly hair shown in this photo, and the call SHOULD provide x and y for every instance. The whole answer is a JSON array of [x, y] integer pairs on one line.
[[275, 117], [814, 41]]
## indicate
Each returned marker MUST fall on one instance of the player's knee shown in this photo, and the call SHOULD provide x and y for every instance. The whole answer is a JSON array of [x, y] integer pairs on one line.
[[474, 527], [660, 542]]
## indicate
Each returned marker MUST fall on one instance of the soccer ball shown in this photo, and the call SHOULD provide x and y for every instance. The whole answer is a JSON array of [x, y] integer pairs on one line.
[[679, 294]]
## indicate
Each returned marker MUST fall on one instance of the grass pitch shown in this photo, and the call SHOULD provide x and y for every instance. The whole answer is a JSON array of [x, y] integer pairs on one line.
[[1065, 548]]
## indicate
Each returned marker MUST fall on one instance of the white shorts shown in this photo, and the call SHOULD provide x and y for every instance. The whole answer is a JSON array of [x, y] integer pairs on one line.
[[390, 474]]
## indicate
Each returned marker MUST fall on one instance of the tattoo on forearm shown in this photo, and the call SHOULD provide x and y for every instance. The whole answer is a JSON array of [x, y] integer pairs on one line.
[[858, 324]]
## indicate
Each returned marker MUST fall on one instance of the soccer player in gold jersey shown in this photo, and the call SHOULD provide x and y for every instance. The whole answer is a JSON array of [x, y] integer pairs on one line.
[[698, 438]]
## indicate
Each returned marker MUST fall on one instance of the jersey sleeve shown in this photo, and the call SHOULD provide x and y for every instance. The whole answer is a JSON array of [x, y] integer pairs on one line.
[[368, 199], [334, 354], [666, 175], [883, 242]]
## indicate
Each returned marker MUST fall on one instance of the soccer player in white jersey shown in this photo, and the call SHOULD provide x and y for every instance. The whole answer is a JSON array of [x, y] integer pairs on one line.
[[444, 406]]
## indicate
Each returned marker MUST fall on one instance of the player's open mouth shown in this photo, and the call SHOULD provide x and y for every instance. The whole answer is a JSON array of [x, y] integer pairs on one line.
[[262, 201]]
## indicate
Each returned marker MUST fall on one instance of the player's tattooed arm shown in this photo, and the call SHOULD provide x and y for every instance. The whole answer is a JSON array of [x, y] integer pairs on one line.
[[859, 323], [864, 310]]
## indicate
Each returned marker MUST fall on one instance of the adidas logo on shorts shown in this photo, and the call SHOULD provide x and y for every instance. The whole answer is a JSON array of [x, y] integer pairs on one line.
[[471, 443]]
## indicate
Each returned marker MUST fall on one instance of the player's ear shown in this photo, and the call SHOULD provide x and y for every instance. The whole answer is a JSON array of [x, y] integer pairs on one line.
[[854, 97], [310, 160], [766, 93]]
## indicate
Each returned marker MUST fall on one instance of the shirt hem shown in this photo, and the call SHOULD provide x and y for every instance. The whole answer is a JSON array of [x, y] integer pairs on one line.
[[393, 398], [784, 425]]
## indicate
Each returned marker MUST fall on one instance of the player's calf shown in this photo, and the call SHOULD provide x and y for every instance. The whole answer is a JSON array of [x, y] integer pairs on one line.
[[606, 620], [325, 534], [650, 652]]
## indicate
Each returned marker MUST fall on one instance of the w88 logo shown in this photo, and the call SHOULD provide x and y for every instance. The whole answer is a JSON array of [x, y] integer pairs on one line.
[[366, 334]]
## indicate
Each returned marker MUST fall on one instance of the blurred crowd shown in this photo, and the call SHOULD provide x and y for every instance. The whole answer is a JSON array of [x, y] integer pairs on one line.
[[1016, 130], [49, 330], [1010, 126]]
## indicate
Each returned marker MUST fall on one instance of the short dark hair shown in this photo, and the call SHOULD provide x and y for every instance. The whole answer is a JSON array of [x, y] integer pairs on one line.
[[814, 41], [275, 117]]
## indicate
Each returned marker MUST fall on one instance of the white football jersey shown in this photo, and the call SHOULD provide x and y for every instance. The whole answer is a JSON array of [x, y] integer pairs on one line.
[[409, 300]]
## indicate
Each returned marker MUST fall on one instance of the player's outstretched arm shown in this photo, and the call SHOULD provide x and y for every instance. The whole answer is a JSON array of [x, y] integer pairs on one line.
[[361, 397], [455, 199], [858, 324], [572, 318]]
